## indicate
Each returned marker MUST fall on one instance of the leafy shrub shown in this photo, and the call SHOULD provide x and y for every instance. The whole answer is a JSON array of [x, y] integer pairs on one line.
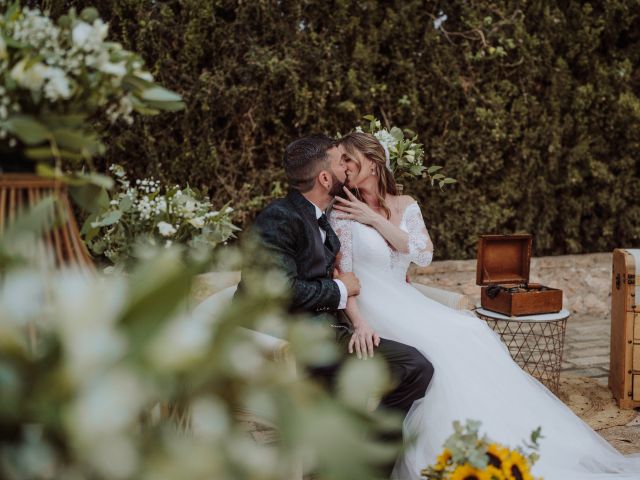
[[533, 107]]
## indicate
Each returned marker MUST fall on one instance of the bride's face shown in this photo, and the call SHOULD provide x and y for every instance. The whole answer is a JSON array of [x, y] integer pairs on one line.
[[358, 168]]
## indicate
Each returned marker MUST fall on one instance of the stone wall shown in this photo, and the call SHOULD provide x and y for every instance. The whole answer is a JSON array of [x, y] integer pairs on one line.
[[584, 279]]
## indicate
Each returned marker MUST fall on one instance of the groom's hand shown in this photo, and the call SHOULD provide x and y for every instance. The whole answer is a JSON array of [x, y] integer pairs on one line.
[[363, 340], [350, 281]]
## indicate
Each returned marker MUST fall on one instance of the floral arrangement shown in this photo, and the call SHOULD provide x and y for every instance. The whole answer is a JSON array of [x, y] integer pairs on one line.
[[114, 377], [405, 156], [467, 456], [57, 77], [144, 214]]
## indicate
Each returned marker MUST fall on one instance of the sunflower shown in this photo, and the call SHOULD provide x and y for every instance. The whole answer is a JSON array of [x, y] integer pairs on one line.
[[443, 458], [516, 467], [469, 472], [497, 454], [494, 473]]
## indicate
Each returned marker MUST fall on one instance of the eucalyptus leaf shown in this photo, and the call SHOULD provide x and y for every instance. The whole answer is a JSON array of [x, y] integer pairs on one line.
[[89, 14], [416, 169], [166, 106], [397, 134], [133, 82], [68, 120], [90, 197], [46, 153], [109, 218], [28, 129], [76, 140], [159, 94]]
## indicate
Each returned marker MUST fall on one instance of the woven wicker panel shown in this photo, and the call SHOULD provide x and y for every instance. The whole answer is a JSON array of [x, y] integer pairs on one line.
[[61, 243], [536, 346]]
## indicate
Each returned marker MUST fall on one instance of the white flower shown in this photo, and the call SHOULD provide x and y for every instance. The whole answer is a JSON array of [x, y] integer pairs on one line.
[[166, 229], [197, 222], [210, 418], [22, 296], [117, 69], [388, 142], [109, 404], [89, 37], [437, 23], [182, 341], [81, 33], [57, 84], [32, 77]]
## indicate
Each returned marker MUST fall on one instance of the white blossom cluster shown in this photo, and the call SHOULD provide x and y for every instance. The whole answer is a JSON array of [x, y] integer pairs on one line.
[[7, 105], [70, 60], [146, 209], [388, 142], [404, 156]]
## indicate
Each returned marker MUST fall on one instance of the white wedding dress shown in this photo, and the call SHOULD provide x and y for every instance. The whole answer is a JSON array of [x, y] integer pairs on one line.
[[475, 377]]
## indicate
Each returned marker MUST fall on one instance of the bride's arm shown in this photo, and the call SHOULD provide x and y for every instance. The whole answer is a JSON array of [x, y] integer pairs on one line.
[[416, 243], [397, 238], [364, 338]]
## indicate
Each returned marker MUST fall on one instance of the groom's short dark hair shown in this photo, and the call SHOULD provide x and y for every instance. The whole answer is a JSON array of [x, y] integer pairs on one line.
[[304, 158]]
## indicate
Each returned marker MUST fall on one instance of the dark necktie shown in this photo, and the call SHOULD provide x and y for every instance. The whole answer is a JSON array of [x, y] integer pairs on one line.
[[331, 241], [323, 222]]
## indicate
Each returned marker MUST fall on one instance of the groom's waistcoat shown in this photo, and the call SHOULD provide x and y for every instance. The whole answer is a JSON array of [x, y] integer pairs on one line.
[[288, 231]]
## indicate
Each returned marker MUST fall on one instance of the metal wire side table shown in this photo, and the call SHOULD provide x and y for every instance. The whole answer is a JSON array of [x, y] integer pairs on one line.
[[535, 342]]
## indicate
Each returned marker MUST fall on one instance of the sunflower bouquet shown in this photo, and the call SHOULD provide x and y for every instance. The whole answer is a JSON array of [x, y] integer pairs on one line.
[[468, 456], [405, 155]]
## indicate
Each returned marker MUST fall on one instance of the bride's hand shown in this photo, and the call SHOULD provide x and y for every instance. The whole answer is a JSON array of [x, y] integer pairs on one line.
[[363, 340], [354, 209]]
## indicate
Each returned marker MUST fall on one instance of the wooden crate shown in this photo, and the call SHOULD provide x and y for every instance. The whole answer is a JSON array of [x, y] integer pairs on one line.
[[624, 369]]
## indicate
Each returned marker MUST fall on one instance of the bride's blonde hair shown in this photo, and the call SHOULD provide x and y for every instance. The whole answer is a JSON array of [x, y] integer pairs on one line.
[[371, 148]]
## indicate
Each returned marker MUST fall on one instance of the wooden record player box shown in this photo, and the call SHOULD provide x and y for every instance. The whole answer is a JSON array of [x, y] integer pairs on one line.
[[624, 369], [503, 272]]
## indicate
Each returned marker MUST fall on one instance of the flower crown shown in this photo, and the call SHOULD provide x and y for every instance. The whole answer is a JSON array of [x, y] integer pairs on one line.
[[404, 154]]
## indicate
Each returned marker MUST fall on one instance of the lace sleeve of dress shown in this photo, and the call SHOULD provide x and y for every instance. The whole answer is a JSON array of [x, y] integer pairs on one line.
[[420, 245], [343, 231]]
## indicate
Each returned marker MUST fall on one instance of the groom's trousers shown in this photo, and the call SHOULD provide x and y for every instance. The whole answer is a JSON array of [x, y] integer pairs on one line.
[[410, 371]]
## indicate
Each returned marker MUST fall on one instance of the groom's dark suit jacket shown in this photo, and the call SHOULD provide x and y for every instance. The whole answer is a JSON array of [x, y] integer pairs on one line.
[[288, 231]]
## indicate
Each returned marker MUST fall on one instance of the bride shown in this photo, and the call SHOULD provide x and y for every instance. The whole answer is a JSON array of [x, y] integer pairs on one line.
[[381, 233]]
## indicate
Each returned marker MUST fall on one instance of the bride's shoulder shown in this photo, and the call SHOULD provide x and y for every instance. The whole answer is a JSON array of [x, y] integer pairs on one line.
[[405, 201]]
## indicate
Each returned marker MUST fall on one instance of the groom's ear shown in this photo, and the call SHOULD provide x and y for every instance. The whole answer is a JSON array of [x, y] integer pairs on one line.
[[324, 179]]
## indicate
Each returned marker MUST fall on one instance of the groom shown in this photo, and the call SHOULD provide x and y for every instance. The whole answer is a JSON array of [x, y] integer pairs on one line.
[[297, 237]]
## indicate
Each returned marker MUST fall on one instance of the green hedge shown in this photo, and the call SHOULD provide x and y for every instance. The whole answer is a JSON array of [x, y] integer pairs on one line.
[[533, 106]]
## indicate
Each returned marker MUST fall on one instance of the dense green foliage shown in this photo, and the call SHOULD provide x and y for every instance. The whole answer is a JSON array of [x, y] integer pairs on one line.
[[532, 106]]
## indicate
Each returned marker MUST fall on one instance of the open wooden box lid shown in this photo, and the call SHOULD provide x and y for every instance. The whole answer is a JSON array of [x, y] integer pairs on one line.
[[503, 259]]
